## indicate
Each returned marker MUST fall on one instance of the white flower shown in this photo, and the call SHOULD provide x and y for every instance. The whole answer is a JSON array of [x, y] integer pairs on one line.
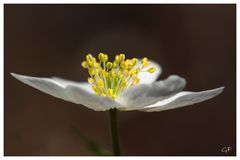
[[137, 88]]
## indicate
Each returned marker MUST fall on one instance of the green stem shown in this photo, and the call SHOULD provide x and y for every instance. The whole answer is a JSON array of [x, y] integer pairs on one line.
[[114, 131]]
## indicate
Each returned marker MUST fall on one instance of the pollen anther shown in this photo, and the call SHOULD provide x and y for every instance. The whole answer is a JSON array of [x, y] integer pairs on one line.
[[111, 78]]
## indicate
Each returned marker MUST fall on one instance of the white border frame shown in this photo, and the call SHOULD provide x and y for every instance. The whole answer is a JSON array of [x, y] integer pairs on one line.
[[112, 2]]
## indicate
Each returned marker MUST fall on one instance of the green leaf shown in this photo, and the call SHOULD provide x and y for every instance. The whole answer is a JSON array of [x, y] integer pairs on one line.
[[90, 144]]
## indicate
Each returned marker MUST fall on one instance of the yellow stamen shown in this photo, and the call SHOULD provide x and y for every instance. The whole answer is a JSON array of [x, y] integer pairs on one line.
[[111, 78], [91, 81], [109, 65], [91, 72], [151, 70], [136, 81], [145, 62], [84, 64], [100, 83], [95, 89], [122, 57]]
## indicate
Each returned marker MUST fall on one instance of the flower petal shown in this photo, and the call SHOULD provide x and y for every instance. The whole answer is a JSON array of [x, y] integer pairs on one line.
[[146, 94], [146, 77], [69, 91], [183, 99], [85, 85]]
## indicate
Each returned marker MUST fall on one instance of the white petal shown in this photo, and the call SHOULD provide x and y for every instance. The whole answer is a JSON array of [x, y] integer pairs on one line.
[[183, 99], [85, 85], [69, 91], [146, 77], [146, 94]]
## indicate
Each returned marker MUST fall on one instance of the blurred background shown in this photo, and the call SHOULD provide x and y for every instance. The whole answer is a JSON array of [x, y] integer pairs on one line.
[[197, 42]]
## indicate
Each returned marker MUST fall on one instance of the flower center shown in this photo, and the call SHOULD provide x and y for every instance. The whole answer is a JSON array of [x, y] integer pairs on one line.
[[111, 78]]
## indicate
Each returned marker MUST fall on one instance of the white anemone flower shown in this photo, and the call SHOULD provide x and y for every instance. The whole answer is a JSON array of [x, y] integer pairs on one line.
[[124, 84]]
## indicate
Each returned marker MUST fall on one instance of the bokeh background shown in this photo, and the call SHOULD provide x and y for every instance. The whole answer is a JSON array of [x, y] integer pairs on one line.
[[194, 41]]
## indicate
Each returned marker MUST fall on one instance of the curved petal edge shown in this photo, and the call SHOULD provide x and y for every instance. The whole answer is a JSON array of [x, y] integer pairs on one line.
[[182, 99], [147, 78], [69, 92], [143, 95]]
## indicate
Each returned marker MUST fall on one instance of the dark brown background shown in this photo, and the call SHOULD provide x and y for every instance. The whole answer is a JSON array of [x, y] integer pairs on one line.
[[194, 41]]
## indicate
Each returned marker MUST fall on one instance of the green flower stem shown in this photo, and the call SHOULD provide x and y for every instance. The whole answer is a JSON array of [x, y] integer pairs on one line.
[[114, 131]]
